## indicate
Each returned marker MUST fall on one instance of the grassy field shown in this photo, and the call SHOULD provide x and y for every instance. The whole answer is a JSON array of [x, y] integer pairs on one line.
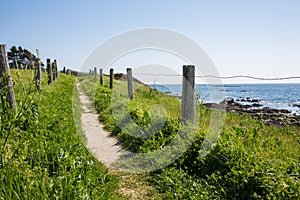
[[249, 161], [42, 155]]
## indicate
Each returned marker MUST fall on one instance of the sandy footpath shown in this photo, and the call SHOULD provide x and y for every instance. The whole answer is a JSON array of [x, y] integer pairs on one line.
[[99, 142]]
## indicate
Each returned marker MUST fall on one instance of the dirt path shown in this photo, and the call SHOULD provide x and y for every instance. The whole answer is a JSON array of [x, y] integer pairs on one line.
[[107, 150], [103, 146]]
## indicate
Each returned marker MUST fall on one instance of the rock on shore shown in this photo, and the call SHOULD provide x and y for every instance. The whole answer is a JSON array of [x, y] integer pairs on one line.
[[277, 117]]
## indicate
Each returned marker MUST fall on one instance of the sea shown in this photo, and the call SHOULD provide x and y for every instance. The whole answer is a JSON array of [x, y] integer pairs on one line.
[[278, 96]]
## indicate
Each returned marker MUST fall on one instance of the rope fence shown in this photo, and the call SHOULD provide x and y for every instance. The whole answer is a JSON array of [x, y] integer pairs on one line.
[[188, 86], [225, 77]]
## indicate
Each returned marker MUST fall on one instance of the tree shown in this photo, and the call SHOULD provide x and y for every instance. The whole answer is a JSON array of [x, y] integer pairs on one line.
[[22, 57]]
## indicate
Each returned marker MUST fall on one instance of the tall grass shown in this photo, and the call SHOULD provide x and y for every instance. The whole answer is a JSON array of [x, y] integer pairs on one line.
[[41, 153], [249, 161]]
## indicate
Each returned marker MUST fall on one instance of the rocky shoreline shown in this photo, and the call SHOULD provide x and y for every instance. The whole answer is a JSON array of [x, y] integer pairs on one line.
[[271, 116]]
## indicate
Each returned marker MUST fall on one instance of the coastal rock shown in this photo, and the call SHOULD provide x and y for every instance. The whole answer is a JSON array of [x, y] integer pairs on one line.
[[256, 105], [214, 106], [296, 105], [271, 116], [248, 99], [227, 101]]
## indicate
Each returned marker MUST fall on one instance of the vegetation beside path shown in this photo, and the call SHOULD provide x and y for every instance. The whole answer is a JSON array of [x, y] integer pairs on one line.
[[42, 155], [250, 160]]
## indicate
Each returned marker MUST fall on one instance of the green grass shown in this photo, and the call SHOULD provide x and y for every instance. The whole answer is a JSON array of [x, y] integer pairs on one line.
[[42, 154], [250, 160]]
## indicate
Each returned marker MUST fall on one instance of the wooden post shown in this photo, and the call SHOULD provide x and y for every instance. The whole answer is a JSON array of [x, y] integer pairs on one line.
[[101, 77], [6, 78], [30, 61], [95, 73], [111, 78], [188, 94], [16, 62], [129, 83], [56, 69], [39, 75], [64, 70], [53, 71], [49, 71]]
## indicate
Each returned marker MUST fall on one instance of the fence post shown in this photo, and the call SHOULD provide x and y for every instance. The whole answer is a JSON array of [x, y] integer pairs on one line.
[[56, 69], [7, 81], [188, 95], [101, 77], [16, 62], [129, 83], [39, 75], [53, 71], [49, 71], [95, 73], [111, 78]]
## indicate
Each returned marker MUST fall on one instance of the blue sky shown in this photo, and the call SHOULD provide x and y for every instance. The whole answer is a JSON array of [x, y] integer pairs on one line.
[[257, 38]]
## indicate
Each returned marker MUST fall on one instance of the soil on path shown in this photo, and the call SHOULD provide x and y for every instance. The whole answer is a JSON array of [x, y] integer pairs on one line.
[[107, 150], [104, 147]]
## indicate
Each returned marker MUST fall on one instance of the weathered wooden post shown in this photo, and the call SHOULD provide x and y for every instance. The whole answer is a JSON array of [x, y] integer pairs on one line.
[[95, 73], [16, 62], [101, 77], [111, 78], [188, 94], [49, 71], [30, 60], [6, 78], [39, 75], [56, 69], [53, 71], [129, 83], [68, 71]]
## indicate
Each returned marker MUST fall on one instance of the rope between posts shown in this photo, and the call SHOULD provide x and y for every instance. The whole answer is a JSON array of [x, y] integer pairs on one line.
[[225, 77]]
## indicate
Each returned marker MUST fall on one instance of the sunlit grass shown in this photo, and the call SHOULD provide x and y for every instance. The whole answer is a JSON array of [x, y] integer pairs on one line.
[[42, 155], [250, 159]]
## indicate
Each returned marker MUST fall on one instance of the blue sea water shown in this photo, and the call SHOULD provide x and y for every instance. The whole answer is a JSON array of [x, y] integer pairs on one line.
[[279, 96]]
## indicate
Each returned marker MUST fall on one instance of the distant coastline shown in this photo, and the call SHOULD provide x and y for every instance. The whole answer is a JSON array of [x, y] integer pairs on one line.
[[275, 104]]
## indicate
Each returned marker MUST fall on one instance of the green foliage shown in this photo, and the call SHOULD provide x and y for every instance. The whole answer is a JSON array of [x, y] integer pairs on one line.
[[177, 184], [249, 161], [41, 153], [22, 57]]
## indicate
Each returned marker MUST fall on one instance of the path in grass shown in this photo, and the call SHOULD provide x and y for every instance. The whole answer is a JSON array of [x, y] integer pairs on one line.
[[99, 142], [107, 150]]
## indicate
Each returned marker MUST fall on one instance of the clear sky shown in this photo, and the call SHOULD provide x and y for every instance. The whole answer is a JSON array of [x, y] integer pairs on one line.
[[256, 38]]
